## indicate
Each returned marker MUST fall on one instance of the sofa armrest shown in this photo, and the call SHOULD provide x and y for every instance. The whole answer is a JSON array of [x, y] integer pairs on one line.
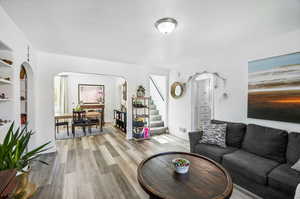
[[194, 138]]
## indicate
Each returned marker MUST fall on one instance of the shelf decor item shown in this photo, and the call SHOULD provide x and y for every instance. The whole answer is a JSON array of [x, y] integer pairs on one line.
[[140, 117], [146, 132], [9, 62], [140, 91], [2, 96], [4, 121], [14, 154]]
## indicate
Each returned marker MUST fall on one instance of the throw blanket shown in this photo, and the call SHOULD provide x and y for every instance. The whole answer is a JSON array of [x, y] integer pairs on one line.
[[297, 194]]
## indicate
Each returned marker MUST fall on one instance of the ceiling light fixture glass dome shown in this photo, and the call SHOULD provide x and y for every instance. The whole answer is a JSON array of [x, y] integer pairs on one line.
[[166, 25]]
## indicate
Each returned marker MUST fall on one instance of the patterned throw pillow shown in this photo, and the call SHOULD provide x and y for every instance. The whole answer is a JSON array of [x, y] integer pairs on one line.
[[214, 134], [296, 166]]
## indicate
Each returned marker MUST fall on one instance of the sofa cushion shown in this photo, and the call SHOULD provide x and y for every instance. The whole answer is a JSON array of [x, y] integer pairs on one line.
[[212, 151], [284, 178], [293, 148], [249, 165], [266, 142], [234, 133]]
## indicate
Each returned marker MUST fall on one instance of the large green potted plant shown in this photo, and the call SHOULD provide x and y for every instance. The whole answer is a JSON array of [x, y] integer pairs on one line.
[[14, 154]]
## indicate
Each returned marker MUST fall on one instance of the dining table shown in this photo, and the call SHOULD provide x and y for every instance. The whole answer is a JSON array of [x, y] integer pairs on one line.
[[89, 115]]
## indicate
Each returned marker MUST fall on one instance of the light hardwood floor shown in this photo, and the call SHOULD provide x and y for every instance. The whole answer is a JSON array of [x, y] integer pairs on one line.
[[101, 167]]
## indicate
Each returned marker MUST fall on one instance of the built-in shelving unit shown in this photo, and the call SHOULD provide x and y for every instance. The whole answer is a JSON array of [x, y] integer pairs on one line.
[[140, 118], [6, 87]]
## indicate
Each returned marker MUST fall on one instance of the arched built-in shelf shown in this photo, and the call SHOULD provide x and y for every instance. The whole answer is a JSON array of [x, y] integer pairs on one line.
[[6, 87]]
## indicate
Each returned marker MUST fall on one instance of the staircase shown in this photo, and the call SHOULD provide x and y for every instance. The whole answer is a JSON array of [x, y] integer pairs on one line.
[[157, 125]]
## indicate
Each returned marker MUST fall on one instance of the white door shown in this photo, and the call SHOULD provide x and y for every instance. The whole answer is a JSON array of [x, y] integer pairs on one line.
[[202, 101]]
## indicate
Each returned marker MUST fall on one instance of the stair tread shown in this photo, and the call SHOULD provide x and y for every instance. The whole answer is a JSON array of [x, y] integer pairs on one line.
[[158, 121], [157, 125], [156, 115], [158, 128]]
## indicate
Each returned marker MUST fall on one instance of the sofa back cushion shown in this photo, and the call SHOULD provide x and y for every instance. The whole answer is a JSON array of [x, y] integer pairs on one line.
[[234, 133], [266, 142], [293, 148]]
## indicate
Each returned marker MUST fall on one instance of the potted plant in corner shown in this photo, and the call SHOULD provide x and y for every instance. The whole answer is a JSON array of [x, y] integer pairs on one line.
[[14, 154]]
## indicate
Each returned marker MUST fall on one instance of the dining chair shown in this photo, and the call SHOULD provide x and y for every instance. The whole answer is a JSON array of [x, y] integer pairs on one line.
[[94, 121], [79, 120], [58, 124]]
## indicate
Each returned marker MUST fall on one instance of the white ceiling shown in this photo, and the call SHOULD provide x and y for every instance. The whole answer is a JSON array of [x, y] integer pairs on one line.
[[123, 30]]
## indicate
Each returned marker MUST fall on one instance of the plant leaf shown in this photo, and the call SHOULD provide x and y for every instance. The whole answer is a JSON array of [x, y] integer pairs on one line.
[[13, 150]]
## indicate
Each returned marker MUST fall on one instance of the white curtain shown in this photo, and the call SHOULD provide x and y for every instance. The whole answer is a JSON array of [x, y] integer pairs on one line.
[[202, 101], [61, 101]]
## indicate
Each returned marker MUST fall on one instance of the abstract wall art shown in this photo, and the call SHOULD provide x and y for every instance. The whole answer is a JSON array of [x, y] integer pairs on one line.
[[274, 88]]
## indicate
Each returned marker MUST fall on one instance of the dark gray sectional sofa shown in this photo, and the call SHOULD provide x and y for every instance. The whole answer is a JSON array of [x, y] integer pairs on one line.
[[258, 158]]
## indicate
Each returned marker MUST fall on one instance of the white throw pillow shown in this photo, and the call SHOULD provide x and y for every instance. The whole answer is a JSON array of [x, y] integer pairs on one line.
[[296, 166], [214, 134]]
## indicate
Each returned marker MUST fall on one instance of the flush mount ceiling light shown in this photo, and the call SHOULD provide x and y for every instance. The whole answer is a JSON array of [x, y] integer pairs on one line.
[[166, 25]]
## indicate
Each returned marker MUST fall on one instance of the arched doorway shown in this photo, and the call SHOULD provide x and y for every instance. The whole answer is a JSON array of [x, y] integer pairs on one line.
[[98, 97], [202, 102]]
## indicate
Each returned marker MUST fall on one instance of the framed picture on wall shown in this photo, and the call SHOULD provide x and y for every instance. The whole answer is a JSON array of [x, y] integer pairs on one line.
[[124, 91], [274, 88], [91, 94]]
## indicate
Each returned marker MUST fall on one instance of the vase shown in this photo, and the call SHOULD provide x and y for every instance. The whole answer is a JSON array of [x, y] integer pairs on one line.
[[25, 189]]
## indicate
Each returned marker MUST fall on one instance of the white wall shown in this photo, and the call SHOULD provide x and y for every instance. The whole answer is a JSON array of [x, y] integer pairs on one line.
[[119, 93], [111, 92], [53, 64], [16, 40], [233, 65]]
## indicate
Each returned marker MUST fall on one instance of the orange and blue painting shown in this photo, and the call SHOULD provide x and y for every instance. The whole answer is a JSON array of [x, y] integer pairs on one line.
[[274, 88]]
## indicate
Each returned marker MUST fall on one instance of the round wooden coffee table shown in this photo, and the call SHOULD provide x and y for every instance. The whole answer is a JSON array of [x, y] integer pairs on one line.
[[206, 179]]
